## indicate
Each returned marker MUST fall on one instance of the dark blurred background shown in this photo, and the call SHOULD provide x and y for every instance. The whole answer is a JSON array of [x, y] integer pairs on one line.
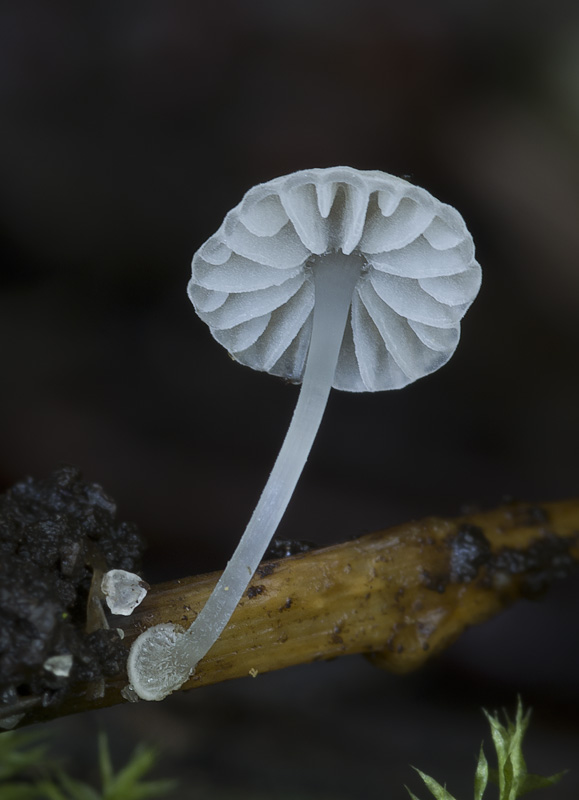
[[127, 131]]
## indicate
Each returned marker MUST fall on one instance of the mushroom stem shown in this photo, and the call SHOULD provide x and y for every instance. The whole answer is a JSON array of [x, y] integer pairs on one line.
[[163, 657], [335, 276]]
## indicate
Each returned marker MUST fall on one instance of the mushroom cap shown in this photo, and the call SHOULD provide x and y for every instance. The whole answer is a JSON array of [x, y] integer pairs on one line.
[[252, 281]]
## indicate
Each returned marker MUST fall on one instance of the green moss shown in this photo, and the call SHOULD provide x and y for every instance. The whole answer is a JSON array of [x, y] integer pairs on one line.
[[511, 776], [26, 773]]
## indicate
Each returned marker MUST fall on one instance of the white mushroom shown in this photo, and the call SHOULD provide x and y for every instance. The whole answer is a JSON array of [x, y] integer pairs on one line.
[[328, 277], [59, 665], [123, 591]]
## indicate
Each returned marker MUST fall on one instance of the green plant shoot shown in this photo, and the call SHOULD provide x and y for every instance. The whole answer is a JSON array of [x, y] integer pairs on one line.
[[511, 776]]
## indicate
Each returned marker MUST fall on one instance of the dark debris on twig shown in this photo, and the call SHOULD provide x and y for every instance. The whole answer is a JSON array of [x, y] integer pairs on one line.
[[54, 535]]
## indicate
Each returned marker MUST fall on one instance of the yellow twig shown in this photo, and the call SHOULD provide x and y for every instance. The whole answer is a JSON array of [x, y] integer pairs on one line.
[[399, 596]]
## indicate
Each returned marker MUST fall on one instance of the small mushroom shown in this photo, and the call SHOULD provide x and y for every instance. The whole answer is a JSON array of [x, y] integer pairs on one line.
[[326, 277], [59, 665], [123, 591]]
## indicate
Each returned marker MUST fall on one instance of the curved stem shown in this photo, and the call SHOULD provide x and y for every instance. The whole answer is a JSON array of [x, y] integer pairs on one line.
[[335, 277]]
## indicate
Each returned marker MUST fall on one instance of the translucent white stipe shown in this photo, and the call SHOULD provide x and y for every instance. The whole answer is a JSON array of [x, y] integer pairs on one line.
[[163, 657]]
